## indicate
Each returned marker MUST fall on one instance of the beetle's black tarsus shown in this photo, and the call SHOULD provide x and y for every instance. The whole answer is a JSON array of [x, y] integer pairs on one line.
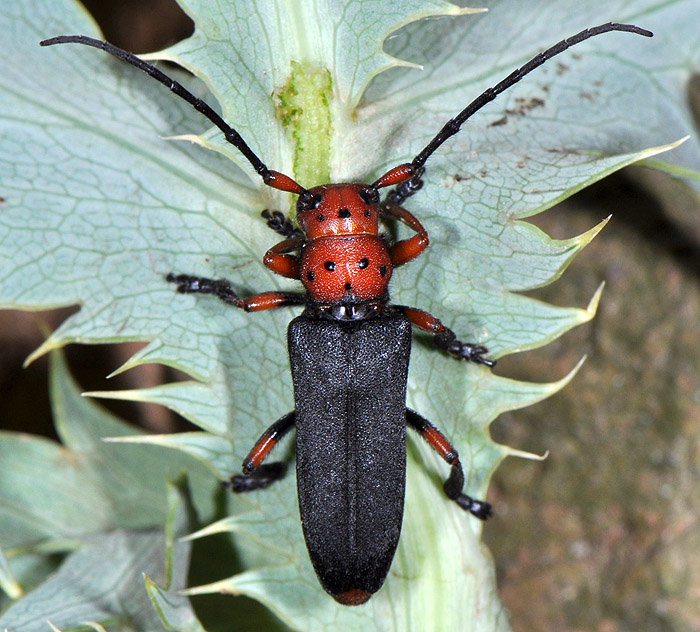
[[221, 288], [281, 224], [260, 478], [478, 508], [447, 341]]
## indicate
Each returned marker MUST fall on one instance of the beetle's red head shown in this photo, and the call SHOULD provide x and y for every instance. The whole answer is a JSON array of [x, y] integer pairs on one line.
[[345, 209], [338, 209]]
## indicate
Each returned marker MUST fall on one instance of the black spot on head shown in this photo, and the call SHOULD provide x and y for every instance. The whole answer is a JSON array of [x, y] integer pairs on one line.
[[329, 265], [320, 218], [382, 270], [343, 213], [347, 287], [310, 275], [367, 213], [364, 262]]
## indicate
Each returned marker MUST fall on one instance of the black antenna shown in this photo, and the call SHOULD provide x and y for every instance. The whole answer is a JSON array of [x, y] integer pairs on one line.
[[272, 178], [453, 125]]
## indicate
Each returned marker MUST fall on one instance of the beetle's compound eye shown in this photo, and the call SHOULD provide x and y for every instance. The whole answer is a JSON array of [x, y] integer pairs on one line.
[[364, 262], [329, 265], [308, 201], [370, 195]]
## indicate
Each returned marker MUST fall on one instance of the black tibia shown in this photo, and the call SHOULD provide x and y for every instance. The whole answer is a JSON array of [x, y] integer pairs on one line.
[[281, 224], [260, 478], [447, 340], [406, 189], [221, 288], [455, 482]]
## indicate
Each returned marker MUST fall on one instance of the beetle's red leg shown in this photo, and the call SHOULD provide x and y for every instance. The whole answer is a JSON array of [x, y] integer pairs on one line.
[[255, 474], [277, 259], [268, 440], [221, 288], [445, 338], [406, 249], [455, 482]]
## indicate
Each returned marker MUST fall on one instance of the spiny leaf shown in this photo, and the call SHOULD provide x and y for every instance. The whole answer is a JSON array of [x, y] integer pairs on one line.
[[99, 208], [55, 492], [106, 504], [99, 582], [174, 609], [8, 584]]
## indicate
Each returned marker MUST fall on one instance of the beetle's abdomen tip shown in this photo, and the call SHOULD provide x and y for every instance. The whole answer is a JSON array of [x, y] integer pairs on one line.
[[353, 597]]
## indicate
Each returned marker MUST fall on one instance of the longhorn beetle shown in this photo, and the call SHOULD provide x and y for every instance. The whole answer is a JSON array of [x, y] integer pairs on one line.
[[348, 350]]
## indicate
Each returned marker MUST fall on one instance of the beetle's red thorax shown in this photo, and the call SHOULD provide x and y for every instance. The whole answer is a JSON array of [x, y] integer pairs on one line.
[[346, 268]]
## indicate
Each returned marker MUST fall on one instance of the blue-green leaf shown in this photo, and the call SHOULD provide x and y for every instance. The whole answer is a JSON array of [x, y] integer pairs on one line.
[[100, 206]]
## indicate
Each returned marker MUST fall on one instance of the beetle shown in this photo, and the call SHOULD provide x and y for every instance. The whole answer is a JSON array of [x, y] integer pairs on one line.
[[349, 350]]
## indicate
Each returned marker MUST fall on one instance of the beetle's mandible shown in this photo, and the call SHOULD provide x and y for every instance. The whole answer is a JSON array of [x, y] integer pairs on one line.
[[348, 350]]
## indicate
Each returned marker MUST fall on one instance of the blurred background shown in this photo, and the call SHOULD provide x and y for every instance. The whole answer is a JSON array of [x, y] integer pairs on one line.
[[603, 535]]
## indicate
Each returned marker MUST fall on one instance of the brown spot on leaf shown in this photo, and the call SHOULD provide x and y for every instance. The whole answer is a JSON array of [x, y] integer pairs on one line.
[[498, 122]]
